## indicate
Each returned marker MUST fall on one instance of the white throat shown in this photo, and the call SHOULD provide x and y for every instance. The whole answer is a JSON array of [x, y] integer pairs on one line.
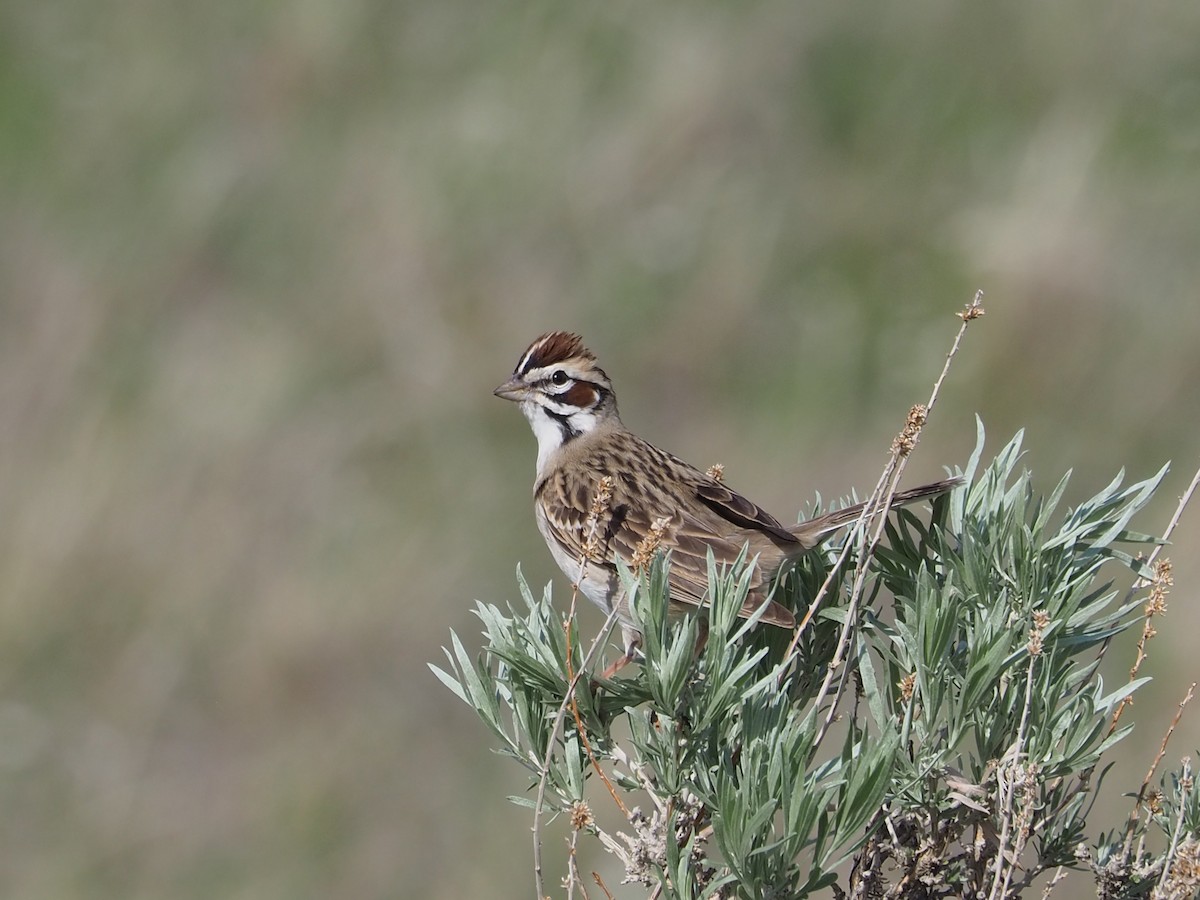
[[551, 433]]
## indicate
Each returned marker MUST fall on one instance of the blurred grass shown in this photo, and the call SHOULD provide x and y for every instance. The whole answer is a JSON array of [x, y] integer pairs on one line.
[[261, 265]]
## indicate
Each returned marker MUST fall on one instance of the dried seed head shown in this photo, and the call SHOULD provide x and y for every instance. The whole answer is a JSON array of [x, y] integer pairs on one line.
[[1154, 801], [645, 850], [907, 685], [1035, 642], [716, 472], [643, 553], [972, 310], [906, 440], [601, 499], [1183, 871], [1160, 586], [591, 525], [1040, 621], [581, 815]]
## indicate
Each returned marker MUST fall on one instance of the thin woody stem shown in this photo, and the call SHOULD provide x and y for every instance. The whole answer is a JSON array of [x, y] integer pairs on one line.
[[598, 508], [582, 732], [1140, 583], [540, 802], [876, 509], [901, 448], [1131, 825]]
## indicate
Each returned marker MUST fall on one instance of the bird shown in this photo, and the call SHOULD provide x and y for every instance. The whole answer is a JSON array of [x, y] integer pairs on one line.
[[647, 497]]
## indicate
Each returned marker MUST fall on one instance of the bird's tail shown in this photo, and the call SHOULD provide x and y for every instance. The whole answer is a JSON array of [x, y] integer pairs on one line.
[[811, 532]]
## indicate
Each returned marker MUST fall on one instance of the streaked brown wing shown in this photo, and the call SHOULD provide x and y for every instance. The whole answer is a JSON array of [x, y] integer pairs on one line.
[[701, 513], [697, 534], [736, 509], [688, 536]]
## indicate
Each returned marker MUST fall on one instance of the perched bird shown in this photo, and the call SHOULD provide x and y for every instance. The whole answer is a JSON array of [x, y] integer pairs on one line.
[[572, 409]]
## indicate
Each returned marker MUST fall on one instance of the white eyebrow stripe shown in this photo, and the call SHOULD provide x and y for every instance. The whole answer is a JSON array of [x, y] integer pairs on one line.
[[528, 353]]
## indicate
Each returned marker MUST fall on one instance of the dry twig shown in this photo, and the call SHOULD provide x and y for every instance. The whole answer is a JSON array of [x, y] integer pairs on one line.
[[598, 509], [875, 510], [1162, 751]]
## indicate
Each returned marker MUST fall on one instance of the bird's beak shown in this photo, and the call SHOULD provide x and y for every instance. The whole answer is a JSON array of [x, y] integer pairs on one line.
[[512, 390]]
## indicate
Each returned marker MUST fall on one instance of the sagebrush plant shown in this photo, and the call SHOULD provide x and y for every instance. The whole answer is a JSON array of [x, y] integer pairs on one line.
[[969, 743]]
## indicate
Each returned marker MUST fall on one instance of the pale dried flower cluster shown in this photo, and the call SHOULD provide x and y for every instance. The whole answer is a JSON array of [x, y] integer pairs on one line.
[[971, 311], [591, 525], [643, 553], [1160, 586], [906, 440], [1040, 622], [581, 815], [1156, 605], [1182, 880], [645, 850]]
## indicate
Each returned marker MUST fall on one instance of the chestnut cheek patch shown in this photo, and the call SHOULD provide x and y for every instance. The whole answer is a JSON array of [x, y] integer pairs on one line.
[[581, 395]]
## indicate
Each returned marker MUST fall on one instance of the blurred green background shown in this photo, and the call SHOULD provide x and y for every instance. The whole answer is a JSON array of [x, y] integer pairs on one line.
[[262, 263]]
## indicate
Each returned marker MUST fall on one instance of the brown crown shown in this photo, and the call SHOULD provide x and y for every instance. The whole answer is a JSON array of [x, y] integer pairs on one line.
[[554, 347]]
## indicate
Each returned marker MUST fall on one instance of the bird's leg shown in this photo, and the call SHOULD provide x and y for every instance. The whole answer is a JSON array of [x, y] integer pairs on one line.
[[618, 664], [633, 643]]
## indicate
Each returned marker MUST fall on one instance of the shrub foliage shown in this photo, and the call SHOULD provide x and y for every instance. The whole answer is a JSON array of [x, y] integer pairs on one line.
[[954, 748]]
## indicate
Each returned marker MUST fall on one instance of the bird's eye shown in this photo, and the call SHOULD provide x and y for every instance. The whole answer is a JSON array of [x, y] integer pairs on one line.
[[559, 377]]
